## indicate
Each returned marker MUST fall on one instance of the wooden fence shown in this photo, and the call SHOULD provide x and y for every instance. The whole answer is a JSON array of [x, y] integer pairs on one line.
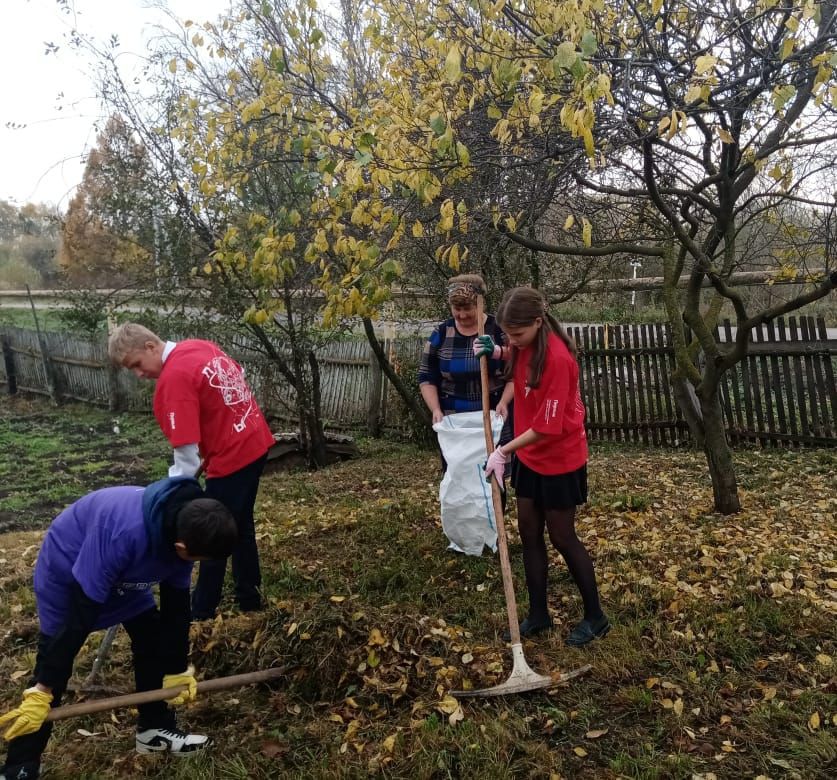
[[782, 393]]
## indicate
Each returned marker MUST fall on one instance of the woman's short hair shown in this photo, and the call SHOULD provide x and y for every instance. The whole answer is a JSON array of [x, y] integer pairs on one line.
[[207, 528], [128, 337], [464, 289]]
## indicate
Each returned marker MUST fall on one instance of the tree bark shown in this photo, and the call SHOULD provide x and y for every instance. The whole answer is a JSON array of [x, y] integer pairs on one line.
[[689, 405], [718, 453]]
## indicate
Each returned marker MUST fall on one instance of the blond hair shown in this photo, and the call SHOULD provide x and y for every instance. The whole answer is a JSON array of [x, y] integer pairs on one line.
[[128, 337]]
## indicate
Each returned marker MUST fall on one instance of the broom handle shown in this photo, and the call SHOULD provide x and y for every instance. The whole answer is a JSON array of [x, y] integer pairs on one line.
[[505, 567], [146, 697]]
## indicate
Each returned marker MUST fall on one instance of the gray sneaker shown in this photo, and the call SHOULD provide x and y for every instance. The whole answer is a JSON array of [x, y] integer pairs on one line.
[[173, 741]]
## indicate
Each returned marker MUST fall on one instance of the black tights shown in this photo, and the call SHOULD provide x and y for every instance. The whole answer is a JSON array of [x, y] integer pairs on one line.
[[560, 524]]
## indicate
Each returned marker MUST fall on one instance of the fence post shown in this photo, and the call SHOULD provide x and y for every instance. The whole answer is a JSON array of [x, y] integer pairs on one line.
[[49, 369], [9, 362]]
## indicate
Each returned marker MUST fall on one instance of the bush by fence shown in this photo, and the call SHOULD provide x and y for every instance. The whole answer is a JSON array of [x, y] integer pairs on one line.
[[783, 392]]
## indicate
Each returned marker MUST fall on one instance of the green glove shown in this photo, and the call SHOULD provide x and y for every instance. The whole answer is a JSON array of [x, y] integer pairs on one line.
[[484, 345], [29, 716], [186, 678]]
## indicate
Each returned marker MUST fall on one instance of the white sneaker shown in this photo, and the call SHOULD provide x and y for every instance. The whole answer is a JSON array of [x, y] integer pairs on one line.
[[173, 741]]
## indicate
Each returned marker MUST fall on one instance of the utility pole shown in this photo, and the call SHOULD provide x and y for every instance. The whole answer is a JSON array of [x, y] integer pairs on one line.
[[635, 264]]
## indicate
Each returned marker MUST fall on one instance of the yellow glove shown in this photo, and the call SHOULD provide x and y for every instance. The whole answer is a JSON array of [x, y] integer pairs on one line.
[[29, 716], [186, 678]]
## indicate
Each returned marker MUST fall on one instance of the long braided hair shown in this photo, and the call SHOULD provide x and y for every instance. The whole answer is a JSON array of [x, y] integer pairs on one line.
[[520, 307]]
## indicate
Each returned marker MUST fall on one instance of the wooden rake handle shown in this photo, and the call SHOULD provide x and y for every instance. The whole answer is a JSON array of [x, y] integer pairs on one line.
[[505, 566], [146, 697]]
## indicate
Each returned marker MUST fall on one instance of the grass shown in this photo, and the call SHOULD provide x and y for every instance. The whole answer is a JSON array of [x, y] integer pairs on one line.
[[721, 662]]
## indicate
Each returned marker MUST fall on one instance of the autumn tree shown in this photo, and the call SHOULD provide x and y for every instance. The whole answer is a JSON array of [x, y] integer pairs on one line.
[[108, 235], [722, 116]]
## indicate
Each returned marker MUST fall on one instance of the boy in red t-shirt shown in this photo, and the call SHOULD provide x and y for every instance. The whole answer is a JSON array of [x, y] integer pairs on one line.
[[549, 474], [209, 415]]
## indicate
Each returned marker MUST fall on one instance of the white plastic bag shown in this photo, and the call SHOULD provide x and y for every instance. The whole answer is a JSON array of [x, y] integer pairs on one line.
[[467, 511]]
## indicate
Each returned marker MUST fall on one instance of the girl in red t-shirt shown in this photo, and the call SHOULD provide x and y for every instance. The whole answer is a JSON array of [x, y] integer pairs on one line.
[[549, 474]]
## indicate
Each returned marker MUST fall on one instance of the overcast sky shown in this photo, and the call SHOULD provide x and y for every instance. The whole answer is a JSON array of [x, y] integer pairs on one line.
[[41, 146]]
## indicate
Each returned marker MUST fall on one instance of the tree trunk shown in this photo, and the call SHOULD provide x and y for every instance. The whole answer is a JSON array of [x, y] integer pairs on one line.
[[718, 453], [318, 452], [687, 402]]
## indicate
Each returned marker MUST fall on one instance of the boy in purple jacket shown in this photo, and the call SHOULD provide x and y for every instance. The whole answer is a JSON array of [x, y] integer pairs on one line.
[[96, 568]]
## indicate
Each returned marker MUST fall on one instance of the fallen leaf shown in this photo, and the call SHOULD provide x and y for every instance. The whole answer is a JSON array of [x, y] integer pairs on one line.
[[814, 721], [389, 743], [596, 733], [86, 733], [580, 752]]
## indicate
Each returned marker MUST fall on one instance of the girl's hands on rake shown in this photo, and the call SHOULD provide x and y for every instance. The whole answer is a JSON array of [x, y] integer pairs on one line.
[[496, 464]]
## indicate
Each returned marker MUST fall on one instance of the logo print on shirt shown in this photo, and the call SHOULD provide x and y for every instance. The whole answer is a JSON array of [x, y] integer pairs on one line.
[[226, 377], [171, 421], [550, 409], [526, 391]]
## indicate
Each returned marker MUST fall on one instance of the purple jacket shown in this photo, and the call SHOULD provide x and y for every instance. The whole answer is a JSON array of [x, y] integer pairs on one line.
[[102, 542]]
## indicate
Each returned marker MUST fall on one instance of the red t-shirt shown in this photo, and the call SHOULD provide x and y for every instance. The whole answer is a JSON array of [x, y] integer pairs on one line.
[[553, 408], [202, 398]]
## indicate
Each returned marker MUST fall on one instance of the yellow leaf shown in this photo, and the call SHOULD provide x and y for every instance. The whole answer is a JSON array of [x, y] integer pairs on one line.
[[389, 743], [705, 63], [586, 231], [453, 64], [787, 47], [678, 707], [173, 66], [596, 733], [448, 705], [207, 269], [814, 721], [824, 660], [725, 135], [418, 229], [656, 5], [511, 224], [580, 752], [337, 599], [663, 124], [376, 637], [569, 222], [693, 94]]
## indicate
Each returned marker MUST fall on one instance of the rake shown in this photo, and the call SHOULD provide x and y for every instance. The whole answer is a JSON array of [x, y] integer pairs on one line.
[[522, 677]]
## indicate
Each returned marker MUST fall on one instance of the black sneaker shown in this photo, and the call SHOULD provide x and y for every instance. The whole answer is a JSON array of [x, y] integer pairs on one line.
[[31, 770], [173, 741], [529, 628], [588, 630]]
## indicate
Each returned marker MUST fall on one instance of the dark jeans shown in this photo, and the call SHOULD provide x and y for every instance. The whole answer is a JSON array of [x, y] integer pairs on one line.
[[144, 631], [237, 492]]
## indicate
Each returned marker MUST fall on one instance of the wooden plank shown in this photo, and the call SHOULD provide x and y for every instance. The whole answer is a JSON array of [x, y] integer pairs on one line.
[[732, 380], [787, 381], [755, 388], [618, 372], [776, 388], [830, 386], [629, 380], [604, 380], [649, 385], [664, 337], [809, 335], [798, 372], [765, 383]]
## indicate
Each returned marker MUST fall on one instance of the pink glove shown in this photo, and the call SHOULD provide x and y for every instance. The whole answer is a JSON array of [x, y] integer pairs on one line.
[[496, 464]]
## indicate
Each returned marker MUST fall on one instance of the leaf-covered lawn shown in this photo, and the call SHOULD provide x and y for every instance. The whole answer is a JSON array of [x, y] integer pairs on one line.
[[722, 661]]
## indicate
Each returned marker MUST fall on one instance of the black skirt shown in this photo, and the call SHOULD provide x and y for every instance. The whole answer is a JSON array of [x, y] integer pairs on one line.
[[549, 491]]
